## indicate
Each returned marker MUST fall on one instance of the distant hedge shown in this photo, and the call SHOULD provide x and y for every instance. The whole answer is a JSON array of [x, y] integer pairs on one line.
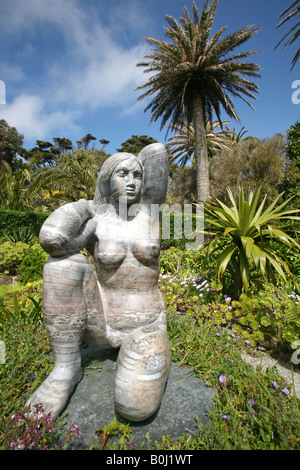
[[11, 220]]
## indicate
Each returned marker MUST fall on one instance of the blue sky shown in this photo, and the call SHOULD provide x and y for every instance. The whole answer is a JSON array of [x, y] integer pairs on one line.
[[69, 66]]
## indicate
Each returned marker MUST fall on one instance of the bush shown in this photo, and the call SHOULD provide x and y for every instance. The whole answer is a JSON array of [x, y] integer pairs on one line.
[[13, 220], [23, 260], [31, 267], [271, 316], [11, 256]]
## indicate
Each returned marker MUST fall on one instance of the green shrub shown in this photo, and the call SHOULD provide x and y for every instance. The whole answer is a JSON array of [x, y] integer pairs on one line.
[[11, 256], [272, 313], [13, 220], [31, 267], [175, 259]]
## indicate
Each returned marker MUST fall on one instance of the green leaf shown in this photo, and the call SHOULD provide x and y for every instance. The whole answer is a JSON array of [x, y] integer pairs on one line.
[[224, 259]]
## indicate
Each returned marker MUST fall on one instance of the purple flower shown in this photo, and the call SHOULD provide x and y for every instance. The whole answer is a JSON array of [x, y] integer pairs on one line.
[[252, 411], [275, 384], [286, 391], [225, 416], [251, 401], [247, 342], [222, 378]]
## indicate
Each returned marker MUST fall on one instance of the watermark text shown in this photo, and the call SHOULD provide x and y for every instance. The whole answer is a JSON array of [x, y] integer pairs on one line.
[[2, 92]]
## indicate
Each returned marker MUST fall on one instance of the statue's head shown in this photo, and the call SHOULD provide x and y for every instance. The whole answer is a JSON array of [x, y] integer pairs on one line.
[[120, 175]]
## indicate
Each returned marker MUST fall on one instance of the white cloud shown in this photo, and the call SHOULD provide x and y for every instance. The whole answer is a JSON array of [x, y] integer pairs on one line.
[[29, 115]]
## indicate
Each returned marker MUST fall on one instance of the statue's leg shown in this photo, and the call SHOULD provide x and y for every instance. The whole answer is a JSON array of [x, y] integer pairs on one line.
[[64, 310], [142, 370]]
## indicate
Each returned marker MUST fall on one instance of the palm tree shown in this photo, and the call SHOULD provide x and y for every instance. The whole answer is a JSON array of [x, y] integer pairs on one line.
[[182, 145], [194, 75], [294, 31]]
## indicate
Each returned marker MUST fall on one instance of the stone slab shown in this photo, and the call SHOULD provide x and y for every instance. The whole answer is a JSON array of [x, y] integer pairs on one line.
[[91, 405]]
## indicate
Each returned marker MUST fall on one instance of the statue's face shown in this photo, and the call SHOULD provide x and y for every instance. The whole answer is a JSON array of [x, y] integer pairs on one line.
[[126, 180]]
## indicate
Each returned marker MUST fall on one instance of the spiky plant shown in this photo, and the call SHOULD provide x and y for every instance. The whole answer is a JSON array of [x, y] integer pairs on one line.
[[196, 75], [244, 233]]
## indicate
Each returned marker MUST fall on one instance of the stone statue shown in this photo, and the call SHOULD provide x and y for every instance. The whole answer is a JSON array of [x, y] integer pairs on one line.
[[115, 302]]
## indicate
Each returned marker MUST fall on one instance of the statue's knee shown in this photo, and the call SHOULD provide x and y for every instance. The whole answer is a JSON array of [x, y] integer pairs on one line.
[[66, 266], [143, 367]]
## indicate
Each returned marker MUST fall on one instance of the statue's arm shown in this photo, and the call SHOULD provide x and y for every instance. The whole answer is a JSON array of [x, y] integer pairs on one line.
[[156, 170], [68, 229]]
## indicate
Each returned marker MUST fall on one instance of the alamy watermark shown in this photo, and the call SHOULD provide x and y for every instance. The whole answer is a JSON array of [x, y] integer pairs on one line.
[[296, 94], [2, 352], [173, 222], [2, 92], [296, 355]]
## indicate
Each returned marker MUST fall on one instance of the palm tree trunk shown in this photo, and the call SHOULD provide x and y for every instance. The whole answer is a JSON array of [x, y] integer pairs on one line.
[[201, 154]]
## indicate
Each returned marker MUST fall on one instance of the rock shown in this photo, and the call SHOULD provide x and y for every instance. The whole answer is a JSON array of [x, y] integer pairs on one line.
[[91, 405]]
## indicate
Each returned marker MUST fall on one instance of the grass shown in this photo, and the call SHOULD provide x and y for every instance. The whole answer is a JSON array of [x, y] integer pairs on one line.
[[252, 409]]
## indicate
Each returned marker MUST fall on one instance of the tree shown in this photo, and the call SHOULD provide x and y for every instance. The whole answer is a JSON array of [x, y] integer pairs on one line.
[[195, 75], [136, 143], [292, 173], [11, 145], [103, 143], [250, 163], [292, 11], [62, 144], [182, 145], [85, 141]]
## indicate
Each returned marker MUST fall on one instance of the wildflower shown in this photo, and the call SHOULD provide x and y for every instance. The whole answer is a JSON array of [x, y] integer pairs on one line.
[[247, 342], [275, 384], [252, 411], [217, 334], [28, 284], [222, 378], [286, 391], [251, 401], [225, 416]]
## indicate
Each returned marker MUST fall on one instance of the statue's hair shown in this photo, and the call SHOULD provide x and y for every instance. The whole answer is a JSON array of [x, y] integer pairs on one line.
[[102, 191]]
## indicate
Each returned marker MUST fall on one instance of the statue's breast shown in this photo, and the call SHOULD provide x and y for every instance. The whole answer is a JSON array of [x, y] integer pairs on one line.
[[121, 242]]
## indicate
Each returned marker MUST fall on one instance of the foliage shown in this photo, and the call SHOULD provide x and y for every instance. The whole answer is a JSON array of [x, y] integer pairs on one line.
[[270, 316], [182, 145], [174, 260], [136, 143], [24, 306], [27, 364], [112, 429], [244, 233], [294, 32], [12, 222], [11, 145], [11, 256], [193, 57], [31, 267], [20, 234], [250, 163], [23, 260]]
